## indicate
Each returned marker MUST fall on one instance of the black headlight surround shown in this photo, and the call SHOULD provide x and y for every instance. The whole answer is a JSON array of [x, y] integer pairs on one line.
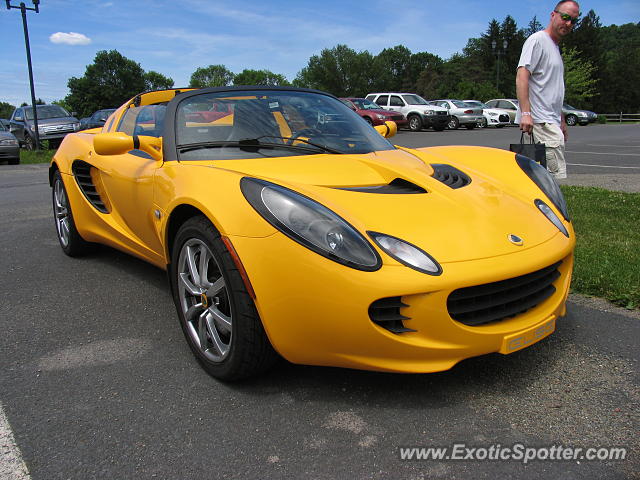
[[543, 179], [251, 189]]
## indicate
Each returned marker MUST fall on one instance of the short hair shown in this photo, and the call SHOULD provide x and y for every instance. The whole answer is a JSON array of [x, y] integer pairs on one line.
[[566, 1]]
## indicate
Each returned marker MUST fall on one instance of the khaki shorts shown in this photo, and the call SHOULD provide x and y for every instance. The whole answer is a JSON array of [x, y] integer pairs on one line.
[[551, 135]]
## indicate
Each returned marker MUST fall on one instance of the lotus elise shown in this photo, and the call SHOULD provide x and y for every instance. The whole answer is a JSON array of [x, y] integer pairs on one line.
[[289, 227]]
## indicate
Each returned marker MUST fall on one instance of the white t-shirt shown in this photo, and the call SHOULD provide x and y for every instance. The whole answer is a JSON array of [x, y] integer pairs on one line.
[[541, 56]]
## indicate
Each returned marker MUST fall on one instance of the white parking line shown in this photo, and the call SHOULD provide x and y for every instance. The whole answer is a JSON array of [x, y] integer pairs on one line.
[[616, 146], [607, 153], [12, 466], [600, 166]]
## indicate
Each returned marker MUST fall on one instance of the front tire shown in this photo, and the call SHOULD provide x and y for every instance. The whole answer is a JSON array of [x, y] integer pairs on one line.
[[415, 123], [29, 142], [453, 124], [70, 240], [571, 120], [217, 315], [483, 123]]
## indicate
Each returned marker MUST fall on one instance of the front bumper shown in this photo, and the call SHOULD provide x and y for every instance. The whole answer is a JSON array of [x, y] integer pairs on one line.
[[435, 120], [9, 152], [317, 312]]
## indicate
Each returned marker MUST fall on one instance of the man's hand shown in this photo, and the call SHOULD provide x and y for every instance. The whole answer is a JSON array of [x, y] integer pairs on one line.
[[526, 123], [563, 127]]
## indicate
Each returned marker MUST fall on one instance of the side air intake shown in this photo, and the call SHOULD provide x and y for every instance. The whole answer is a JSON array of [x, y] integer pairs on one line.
[[450, 176], [386, 314], [82, 173]]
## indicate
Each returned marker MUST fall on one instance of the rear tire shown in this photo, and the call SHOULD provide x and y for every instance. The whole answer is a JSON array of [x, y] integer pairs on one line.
[[470, 126], [218, 317]]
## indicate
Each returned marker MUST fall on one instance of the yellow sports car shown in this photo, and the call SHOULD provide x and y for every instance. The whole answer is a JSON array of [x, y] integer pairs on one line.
[[289, 226]]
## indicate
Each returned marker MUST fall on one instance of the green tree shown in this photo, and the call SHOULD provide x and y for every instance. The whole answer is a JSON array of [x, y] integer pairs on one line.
[[39, 101], [6, 109], [211, 76], [533, 27], [339, 70], [260, 77], [108, 82], [63, 104], [580, 85], [157, 81]]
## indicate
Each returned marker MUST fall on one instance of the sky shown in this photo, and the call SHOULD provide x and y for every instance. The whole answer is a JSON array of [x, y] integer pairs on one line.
[[177, 37]]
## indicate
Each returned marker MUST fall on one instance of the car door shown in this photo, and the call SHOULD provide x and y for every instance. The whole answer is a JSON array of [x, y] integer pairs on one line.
[[128, 181], [16, 124], [383, 102]]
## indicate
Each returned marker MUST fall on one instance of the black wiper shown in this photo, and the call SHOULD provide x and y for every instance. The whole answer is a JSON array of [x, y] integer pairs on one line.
[[253, 144]]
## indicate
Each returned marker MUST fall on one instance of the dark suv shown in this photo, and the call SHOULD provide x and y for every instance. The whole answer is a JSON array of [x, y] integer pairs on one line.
[[54, 122]]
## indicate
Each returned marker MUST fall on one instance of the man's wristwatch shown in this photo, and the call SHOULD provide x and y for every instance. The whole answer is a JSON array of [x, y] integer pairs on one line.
[[525, 114]]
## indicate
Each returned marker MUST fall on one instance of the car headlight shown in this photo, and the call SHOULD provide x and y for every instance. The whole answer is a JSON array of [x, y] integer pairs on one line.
[[406, 253], [380, 117], [310, 224], [8, 142], [429, 112], [492, 114], [550, 214], [539, 175], [582, 114], [76, 126]]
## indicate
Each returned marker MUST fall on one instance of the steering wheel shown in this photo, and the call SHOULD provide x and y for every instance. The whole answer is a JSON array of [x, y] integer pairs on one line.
[[304, 131]]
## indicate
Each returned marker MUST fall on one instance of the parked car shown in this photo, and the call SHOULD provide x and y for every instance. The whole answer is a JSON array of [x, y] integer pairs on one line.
[[509, 105], [9, 148], [418, 112], [372, 112], [460, 113], [5, 123], [97, 119], [293, 227], [574, 116], [492, 117], [54, 122]]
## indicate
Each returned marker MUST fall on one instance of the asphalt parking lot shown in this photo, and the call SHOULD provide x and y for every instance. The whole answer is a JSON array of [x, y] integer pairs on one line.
[[98, 382]]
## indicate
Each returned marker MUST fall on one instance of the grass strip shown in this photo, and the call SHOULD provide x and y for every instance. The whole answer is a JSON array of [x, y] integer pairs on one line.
[[607, 257], [35, 156]]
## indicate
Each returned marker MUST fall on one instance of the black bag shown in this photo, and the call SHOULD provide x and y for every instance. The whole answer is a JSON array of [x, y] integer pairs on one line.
[[535, 151]]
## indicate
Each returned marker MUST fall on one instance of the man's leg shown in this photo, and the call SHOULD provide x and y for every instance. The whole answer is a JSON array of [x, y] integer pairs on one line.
[[552, 137]]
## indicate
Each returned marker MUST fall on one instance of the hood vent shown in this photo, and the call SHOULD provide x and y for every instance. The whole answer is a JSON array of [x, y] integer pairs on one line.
[[398, 186], [82, 173], [450, 176]]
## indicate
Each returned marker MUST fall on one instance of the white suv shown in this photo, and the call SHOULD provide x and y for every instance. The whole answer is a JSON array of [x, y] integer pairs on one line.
[[419, 113]]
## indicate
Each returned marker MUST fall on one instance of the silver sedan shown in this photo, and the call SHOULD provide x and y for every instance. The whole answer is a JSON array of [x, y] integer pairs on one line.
[[461, 113]]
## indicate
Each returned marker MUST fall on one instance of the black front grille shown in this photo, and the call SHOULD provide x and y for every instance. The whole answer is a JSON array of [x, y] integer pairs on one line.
[[386, 313], [82, 173], [450, 176], [397, 118], [504, 117], [496, 301]]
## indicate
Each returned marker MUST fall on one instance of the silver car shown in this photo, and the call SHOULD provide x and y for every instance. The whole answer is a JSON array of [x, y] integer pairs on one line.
[[574, 116], [9, 149], [509, 105], [460, 113]]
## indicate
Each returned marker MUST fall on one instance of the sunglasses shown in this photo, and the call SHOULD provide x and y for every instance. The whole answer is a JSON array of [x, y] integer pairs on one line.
[[568, 18]]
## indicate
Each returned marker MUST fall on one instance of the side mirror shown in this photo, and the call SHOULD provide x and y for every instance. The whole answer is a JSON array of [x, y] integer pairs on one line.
[[388, 130], [118, 143]]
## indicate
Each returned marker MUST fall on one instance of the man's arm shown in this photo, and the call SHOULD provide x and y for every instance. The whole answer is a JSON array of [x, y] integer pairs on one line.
[[522, 91]]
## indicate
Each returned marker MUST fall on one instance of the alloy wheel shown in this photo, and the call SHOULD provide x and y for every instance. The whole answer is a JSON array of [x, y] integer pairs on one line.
[[61, 212], [204, 300]]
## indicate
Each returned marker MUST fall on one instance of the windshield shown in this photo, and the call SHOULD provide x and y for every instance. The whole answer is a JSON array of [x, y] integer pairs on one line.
[[459, 104], [569, 107], [476, 103], [364, 104], [46, 111], [414, 100], [270, 123]]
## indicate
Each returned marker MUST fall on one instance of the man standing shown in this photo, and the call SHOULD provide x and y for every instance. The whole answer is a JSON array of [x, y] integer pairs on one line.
[[540, 85]]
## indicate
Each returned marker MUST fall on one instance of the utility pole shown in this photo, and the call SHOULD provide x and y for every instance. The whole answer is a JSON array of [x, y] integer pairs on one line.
[[23, 9]]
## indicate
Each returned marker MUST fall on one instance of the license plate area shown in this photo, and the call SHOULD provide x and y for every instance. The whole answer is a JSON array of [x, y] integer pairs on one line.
[[520, 340]]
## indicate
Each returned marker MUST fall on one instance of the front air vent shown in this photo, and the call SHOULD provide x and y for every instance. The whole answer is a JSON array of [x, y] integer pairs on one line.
[[496, 301], [398, 186], [450, 176], [386, 314], [82, 173]]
